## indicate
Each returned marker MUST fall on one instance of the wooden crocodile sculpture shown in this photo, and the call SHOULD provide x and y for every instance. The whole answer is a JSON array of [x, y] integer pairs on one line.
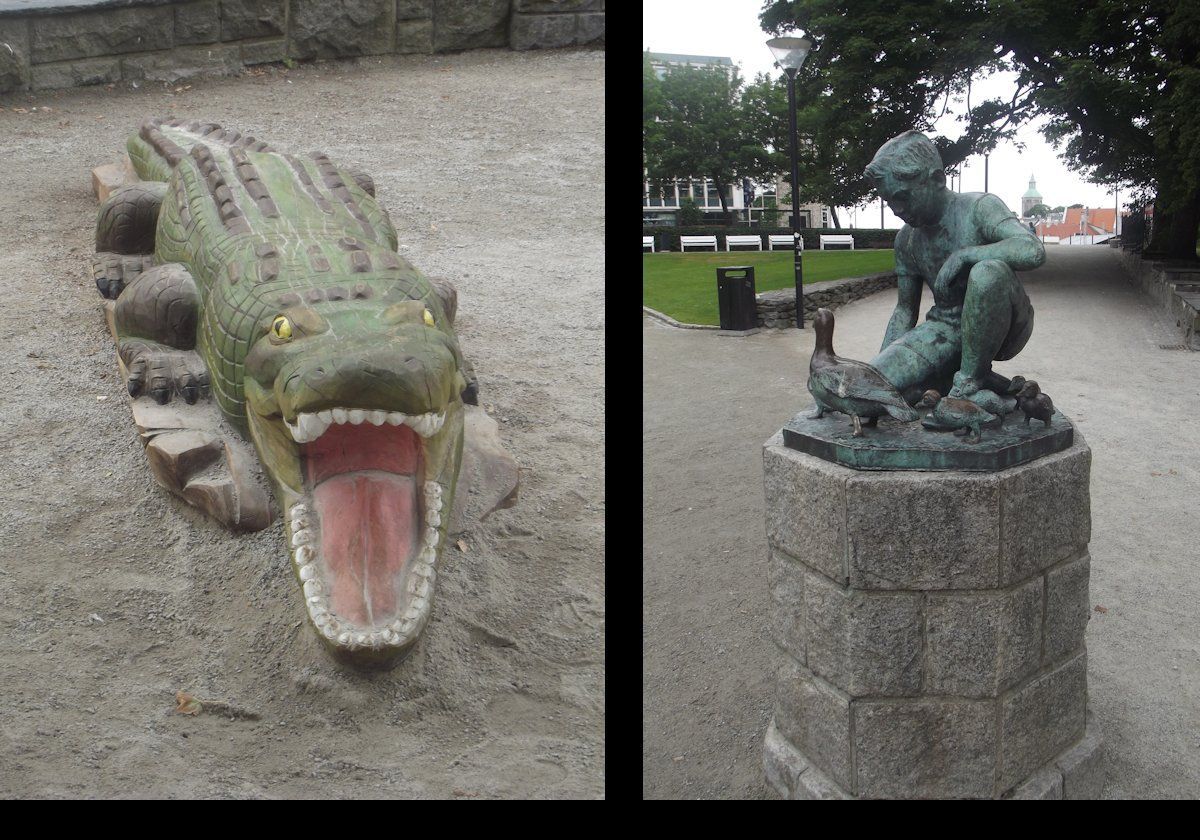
[[271, 284]]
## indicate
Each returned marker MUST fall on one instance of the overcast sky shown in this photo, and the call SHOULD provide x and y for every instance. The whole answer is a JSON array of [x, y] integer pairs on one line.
[[730, 28]]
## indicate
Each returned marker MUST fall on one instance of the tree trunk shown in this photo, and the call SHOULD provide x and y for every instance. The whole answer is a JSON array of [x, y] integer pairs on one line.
[[1175, 232], [833, 215], [1182, 245], [721, 195]]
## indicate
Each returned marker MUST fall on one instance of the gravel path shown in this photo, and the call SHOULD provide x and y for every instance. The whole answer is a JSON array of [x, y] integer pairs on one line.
[[709, 404], [114, 595]]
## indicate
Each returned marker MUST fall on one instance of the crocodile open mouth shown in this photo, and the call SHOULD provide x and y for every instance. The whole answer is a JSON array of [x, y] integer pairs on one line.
[[365, 536]]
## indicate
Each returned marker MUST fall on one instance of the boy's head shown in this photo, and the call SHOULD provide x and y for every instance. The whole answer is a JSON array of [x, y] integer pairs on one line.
[[908, 173]]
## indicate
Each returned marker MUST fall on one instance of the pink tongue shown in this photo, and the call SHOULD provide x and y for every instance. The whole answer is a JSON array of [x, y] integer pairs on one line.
[[368, 530]]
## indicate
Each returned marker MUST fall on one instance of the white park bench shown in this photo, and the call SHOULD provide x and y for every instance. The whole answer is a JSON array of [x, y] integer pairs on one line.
[[730, 241], [697, 242], [782, 239], [648, 242], [837, 239]]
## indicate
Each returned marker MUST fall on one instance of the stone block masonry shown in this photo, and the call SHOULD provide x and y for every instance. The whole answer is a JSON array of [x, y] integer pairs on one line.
[[55, 44], [777, 309], [928, 630]]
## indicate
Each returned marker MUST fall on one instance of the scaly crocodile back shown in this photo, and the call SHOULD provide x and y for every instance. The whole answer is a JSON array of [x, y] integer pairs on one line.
[[260, 230]]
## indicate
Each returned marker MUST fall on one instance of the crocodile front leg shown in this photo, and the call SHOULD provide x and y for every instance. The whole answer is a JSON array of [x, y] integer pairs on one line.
[[125, 231], [156, 335]]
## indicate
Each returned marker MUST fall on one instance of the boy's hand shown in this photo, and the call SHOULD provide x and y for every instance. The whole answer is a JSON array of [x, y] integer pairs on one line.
[[951, 268]]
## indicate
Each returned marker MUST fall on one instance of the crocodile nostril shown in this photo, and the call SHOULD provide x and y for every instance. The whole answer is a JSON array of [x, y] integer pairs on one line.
[[318, 373]]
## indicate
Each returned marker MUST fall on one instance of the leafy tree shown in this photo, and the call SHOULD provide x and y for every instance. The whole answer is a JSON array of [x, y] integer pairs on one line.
[[689, 214], [1059, 209], [1075, 207], [652, 104], [1040, 211], [699, 131], [1117, 80]]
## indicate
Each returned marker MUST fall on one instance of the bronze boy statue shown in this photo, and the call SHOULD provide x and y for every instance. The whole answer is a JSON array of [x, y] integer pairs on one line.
[[965, 246]]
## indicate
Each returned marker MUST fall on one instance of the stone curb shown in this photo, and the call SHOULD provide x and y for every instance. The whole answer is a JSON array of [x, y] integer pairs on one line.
[[671, 322]]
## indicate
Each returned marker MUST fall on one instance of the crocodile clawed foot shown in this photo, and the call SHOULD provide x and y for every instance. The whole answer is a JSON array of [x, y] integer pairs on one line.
[[161, 372]]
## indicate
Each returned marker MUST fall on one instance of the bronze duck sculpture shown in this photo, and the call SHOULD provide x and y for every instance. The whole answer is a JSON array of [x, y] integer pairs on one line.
[[848, 386], [1034, 403], [963, 416]]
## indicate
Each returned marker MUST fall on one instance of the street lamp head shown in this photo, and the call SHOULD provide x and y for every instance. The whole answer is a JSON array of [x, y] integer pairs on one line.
[[791, 51]]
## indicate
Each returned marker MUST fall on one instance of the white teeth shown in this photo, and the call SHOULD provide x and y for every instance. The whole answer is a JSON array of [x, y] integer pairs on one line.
[[310, 426], [419, 587], [433, 489], [431, 536], [390, 637], [433, 518], [316, 600], [312, 588], [344, 638], [305, 555], [308, 572], [299, 523], [429, 555], [298, 510], [301, 537]]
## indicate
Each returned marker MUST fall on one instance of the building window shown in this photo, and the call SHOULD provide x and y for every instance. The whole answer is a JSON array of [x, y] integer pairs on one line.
[[714, 198], [671, 195], [651, 197]]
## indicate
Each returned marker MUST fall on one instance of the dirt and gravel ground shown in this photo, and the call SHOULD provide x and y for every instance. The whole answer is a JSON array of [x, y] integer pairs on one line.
[[709, 404], [114, 595]]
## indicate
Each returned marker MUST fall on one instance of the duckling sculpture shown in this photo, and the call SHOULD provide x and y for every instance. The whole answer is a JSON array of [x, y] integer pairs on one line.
[[1034, 403], [1015, 385], [963, 416], [851, 387]]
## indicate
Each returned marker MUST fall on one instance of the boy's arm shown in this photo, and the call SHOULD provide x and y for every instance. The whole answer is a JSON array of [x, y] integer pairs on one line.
[[908, 301], [1008, 241]]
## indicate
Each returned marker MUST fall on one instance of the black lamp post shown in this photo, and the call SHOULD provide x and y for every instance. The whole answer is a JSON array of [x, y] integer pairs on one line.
[[790, 53]]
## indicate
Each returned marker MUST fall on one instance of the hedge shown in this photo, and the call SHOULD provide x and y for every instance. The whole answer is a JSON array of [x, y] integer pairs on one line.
[[668, 239]]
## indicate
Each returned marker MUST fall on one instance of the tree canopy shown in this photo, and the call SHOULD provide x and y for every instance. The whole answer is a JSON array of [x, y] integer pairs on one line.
[[693, 127], [1117, 80]]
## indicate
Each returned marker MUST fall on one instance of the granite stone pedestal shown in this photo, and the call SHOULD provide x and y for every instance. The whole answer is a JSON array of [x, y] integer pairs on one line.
[[929, 630]]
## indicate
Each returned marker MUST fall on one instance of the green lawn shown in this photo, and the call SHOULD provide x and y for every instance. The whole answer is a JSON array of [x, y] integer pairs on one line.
[[684, 286]]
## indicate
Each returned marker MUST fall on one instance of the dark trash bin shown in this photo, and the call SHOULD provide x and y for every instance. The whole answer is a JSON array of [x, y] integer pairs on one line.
[[735, 298]]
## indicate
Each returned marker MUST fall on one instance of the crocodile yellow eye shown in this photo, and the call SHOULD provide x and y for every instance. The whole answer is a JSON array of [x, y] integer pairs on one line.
[[281, 329], [428, 316]]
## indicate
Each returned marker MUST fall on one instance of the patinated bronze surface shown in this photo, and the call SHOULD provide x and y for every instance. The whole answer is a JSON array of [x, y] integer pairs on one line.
[[910, 446], [967, 248], [853, 388]]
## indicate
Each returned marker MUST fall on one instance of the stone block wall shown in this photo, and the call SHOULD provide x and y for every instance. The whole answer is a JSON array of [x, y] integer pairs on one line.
[[777, 309], [63, 44], [929, 630], [1174, 286]]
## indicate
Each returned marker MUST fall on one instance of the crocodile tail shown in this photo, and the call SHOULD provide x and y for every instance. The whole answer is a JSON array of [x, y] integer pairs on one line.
[[160, 144], [903, 413]]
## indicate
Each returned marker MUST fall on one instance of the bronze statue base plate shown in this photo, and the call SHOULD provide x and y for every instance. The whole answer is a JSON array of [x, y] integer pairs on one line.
[[892, 445]]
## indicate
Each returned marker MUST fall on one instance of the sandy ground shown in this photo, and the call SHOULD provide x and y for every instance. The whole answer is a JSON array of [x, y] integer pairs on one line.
[[114, 595], [710, 402]]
